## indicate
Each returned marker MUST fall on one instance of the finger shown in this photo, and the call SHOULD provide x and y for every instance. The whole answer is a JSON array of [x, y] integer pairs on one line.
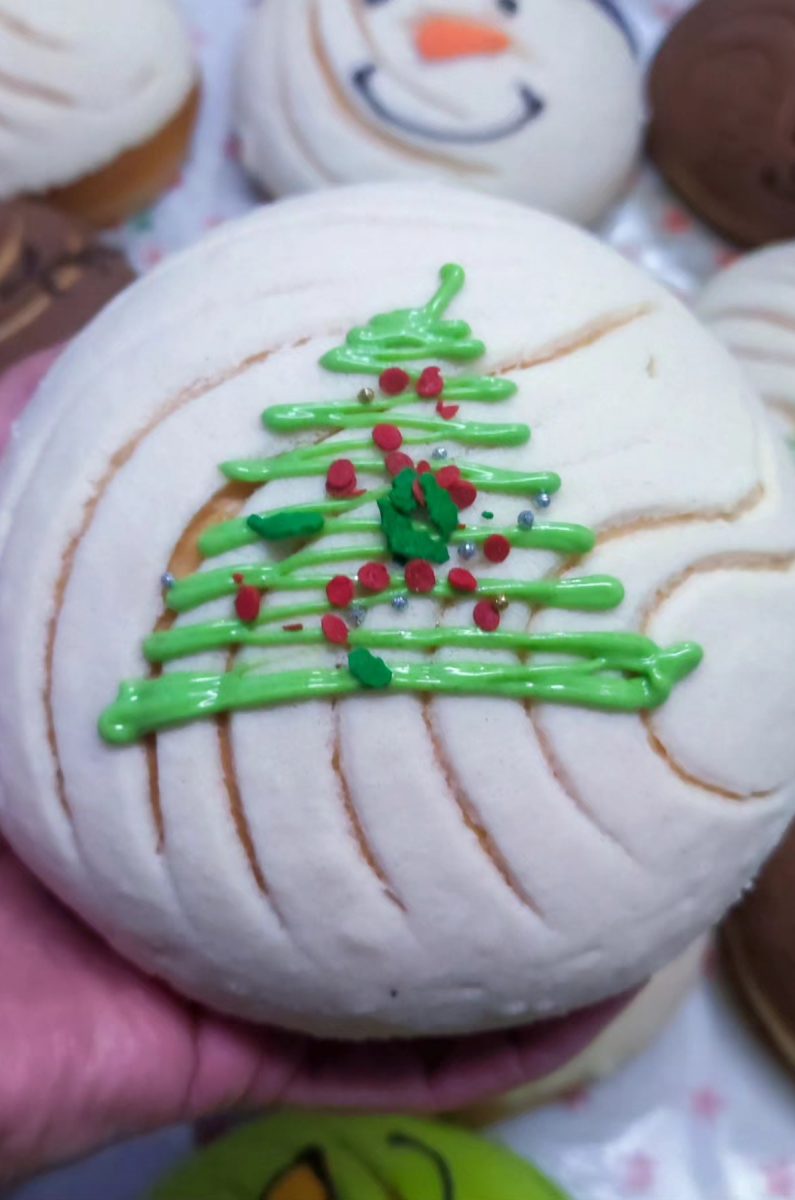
[[18, 384]]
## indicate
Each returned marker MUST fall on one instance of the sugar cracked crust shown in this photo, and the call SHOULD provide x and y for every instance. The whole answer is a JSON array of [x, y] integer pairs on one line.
[[751, 308], [521, 861], [77, 91], [539, 101]]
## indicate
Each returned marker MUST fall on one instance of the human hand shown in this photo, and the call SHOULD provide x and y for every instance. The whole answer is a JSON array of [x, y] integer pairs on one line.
[[91, 1050]]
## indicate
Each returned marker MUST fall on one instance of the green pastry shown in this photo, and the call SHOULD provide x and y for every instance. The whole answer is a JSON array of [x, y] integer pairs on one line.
[[319, 1156]]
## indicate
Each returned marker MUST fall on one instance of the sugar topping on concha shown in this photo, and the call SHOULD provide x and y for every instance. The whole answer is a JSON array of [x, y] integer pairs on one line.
[[751, 307], [395, 620], [79, 87], [538, 100]]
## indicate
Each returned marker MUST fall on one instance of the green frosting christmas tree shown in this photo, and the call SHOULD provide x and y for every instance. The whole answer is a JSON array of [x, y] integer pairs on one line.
[[404, 533]]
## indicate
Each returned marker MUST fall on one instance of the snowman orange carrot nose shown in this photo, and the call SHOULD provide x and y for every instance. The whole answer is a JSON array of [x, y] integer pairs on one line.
[[442, 38]]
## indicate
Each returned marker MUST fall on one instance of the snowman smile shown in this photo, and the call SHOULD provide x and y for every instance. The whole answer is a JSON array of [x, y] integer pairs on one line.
[[531, 107]]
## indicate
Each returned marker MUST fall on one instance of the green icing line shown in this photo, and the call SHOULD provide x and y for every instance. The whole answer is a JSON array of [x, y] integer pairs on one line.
[[594, 593], [607, 670], [623, 684], [467, 433], [409, 334], [194, 590]]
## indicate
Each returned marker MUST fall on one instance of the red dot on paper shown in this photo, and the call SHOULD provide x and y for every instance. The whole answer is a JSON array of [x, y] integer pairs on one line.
[[487, 616], [420, 576], [464, 493], [334, 629], [340, 591], [430, 383], [423, 466], [248, 603], [497, 548], [397, 461], [387, 437], [462, 581], [374, 577], [393, 381]]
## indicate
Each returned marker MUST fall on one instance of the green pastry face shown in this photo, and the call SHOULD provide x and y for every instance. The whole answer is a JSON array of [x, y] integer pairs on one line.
[[315, 1156]]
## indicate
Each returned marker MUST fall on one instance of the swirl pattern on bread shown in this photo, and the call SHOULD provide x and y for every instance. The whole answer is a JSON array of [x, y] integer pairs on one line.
[[77, 90]]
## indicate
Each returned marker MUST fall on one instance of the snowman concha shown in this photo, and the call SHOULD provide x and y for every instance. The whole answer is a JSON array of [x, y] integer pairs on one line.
[[367, 746], [537, 100]]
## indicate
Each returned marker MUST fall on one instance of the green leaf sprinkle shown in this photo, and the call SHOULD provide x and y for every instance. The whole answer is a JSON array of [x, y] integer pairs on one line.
[[286, 525], [441, 507], [405, 540], [402, 493], [368, 669]]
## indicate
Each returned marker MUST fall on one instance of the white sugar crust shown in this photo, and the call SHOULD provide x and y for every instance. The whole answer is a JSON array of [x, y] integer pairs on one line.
[[81, 83], [304, 122], [751, 307], [613, 841]]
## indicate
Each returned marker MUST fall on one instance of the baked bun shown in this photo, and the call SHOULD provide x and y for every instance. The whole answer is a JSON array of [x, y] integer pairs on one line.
[[372, 815], [54, 277], [722, 89], [96, 112], [320, 1156], [759, 945], [537, 100], [751, 307]]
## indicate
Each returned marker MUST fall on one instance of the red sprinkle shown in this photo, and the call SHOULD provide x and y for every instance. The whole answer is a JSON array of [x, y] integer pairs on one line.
[[387, 437], [248, 603], [487, 616], [334, 629], [496, 548], [420, 576], [296, 628], [423, 466], [237, 578], [340, 591], [447, 411], [448, 476], [430, 383], [464, 493], [374, 577], [462, 581], [341, 477], [419, 494], [394, 380], [397, 461]]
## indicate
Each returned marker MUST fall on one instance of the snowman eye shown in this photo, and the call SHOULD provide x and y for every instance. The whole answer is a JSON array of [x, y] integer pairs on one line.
[[511, 7]]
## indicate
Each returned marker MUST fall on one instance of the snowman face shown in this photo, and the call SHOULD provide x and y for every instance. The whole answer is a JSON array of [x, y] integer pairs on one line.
[[539, 100], [491, 45]]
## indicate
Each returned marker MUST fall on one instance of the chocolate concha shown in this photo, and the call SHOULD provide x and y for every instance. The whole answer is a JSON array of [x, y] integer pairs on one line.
[[54, 277]]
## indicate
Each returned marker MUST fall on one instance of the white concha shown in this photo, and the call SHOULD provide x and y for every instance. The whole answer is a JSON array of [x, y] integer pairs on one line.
[[82, 82], [537, 100], [388, 865], [751, 307]]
